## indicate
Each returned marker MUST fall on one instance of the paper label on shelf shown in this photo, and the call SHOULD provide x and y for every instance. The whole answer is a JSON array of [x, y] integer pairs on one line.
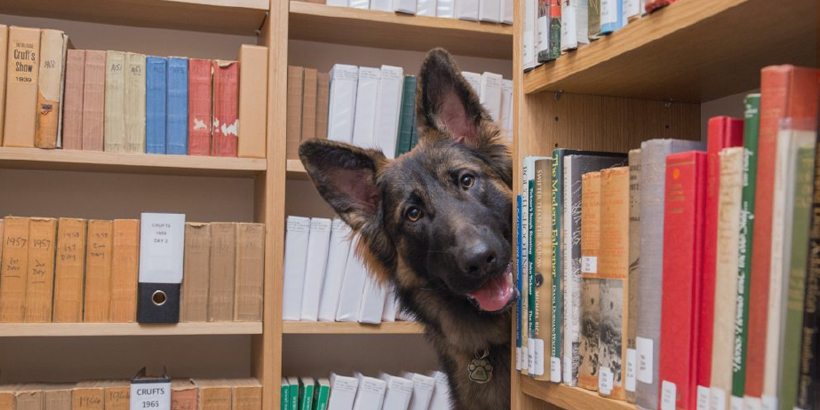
[[752, 403], [770, 402], [703, 398], [589, 264], [605, 381], [717, 401], [736, 403], [631, 358], [669, 394], [645, 355], [538, 357], [153, 396], [555, 369], [609, 11]]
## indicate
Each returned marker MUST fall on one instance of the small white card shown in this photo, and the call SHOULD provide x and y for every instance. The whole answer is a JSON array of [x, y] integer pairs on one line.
[[717, 401], [538, 357], [555, 369], [153, 396], [605, 381], [668, 395], [704, 399], [752, 403], [518, 358], [770, 403], [631, 359], [589, 264], [645, 357], [736, 403]]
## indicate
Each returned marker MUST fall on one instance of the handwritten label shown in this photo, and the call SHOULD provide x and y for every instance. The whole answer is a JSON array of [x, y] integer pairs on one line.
[[669, 394], [631, 359], [589, 264], [605, 381], [645, 355]]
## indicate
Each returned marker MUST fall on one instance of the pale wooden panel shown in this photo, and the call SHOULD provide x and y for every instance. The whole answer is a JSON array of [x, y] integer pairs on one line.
[[321, 328], [570, 397], [126, 329], [693, 50]]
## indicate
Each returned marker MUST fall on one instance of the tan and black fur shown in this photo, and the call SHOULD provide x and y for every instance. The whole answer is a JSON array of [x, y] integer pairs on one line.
[[459, 180]]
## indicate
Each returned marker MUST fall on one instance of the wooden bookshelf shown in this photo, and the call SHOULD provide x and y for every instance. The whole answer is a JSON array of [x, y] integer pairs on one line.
[[296, 170], [569, 397], [217, 16], [67, 160], [381, 29], [127, 329], [329, 328], [692, 51]]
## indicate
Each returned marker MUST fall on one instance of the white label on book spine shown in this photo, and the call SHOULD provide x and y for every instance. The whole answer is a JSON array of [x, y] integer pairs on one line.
[[538, 357], [609, 12], [345, 384], [770, 402], [542, 29], [555, 369], [605, 381], [531, 356], [162, 245], [645, 354], [567, 370], [704, 398], [632, 8], [631, 359], [736, 403], [517, 358], [589, 264], [153, 396], [752, 403], [717, 399], [668, 395]]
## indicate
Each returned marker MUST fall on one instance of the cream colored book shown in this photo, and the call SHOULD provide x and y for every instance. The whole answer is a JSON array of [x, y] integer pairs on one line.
[[196, 275], [222, 272], [114, 101], [134, 102], [88, 395], [253, 105], [250, 272], [247, 394], [117, 394], [4, 51], [57, 396], [125, 255], [50, 86], [21, 87], [29, 397], [40, 282]]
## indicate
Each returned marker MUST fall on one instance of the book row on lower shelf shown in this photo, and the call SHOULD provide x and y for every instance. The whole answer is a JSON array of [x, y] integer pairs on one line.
[[489, 11], [139, 393], [679, 276], [410, 391], [114, 101], [326, 280], [373, 107], [76, 270]]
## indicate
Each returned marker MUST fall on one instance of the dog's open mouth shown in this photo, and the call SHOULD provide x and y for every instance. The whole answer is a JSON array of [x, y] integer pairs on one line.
[[496, 294]]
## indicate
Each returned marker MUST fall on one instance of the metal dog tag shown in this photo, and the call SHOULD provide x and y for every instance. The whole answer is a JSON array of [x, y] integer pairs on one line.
[[480, 369]]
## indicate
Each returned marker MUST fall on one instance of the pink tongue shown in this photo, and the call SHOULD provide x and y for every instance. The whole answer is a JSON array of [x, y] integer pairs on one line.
[[495, 294]]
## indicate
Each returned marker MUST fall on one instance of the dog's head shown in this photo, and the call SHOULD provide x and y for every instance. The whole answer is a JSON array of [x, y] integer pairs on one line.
[[439, 217]]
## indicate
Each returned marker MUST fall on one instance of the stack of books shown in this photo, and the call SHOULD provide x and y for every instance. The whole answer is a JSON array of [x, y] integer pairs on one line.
[[114, 101], [77, 270], [326, 280], [679, 274], [410, 391], [490, 11], [383, 101]]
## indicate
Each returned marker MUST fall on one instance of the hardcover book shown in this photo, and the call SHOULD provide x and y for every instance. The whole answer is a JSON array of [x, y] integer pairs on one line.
[[199, 107], [320, 230], [322, 104], [53, 46], [388, 110], [338, 251], [293, 131], [124, 270], [156, 94], [222, 282], [40, 281], [94, 100], [309, 95], [114, 101], [4, 44], [253, 103], [21, 86], [250, 272], [98, 271], [226, 108], [542, 262], [588, 349], [69, 270], [176, 130], [196, 273], [630, 361], [73, 100], [296, 250], [343, 84]]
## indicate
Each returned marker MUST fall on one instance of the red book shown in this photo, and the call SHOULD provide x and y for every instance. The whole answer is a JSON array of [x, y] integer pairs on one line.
[[723, 132], [654, 5], [199, 107], [226, 108], [683, 232], [786, 92]]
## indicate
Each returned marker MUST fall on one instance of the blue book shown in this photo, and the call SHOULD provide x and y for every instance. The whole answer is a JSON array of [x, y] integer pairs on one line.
[[612, 16], [177, 127], [155, 90]]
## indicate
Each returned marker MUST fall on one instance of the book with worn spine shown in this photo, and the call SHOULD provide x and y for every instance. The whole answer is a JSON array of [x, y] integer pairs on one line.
[[40, 280], [176, 131], [21, 87], [114, 101], [53, 46], [225, 108], [69, 270], [94, 90], [156, 93], [590, 312], [630, 361]]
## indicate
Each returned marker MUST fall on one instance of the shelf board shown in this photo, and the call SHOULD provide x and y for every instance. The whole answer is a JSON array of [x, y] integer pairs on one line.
[[127, 329], [326, 328], [296, 170], [382, 29], [218, 16], [68, 160], [566, 397], [691, 51]]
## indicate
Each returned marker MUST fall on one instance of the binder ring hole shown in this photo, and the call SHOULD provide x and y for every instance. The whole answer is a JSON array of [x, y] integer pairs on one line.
[[159, 298]]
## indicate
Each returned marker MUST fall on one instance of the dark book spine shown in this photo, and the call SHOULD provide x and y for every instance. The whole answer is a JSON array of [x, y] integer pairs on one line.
[[557, 294]]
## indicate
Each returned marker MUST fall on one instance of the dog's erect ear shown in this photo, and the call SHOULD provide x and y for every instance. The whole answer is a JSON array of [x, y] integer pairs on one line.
[[446, 102], [345, 176]]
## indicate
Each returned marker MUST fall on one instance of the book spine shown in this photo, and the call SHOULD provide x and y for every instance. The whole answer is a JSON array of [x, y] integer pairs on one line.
[[114, 101], [612, 15], [250, 270], [545, 278], [196, 275], [222, 276], [554, 29], [364, 117], [176, 131], [542, 31], [226, 108], [556, 202], [73, 100], [98, 271], [14, 275], [322, 105], [571, 261], [530, 52], [21, 87], [388, 110], [40, 282], [594, 19], [52, 44], [124, 270], [134, 140], [156, 92], [630, 360], [294, 111], [253, 104], [184, 398], [406, 115], [69, 270], [4, 44], [199, 107], [117, 395], [309, 104], [519, 281], [285, 396], [525, 252], [94, 100], [590, 282], [532, 294]]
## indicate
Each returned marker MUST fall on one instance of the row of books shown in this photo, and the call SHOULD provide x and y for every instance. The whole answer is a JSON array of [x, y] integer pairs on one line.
[[383, 101], [59, 97], [410, 391], [326, 280], [489, 11], [77, 270], [679, 276], [554, 27], [184, 394]]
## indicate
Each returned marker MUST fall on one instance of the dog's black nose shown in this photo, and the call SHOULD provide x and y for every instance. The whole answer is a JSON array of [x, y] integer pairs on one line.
[[477, 257]]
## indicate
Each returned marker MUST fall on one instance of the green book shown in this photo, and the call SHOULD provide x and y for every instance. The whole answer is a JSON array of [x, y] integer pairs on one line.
[[306, 393], [407, 115], [293, 382], [555, 29], [285, 399], [322, 392], [747, 210]]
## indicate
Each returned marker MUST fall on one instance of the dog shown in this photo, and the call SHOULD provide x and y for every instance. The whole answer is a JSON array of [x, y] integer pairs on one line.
[[436, 222]]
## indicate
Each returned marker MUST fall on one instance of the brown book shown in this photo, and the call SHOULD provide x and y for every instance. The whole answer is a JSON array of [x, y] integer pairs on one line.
[[98, 271], [88, 396], [309, 98], [250, 272], [4, 53], [293, 134], [117, 394], [124, 270], [631, 359], [134, 103], [253, 101], [196, 274], [322, 104], [14, 272], [247, 394], [57, 396], [7, 397], [2, 240], [184, 395], [114, 101], [21, 86], [94, 100], [73, 100], [69, 271], [222, 275], [53, 45], [214, 394], [29, 397], [590, 284], [40, 283]]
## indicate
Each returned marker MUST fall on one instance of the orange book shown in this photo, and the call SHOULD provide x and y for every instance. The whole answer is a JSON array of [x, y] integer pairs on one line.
[[40, 283], [124, 270], [4, 52], [88, 396], [93, 100], [247, 394], [196, 273], [322, 104], [250, 272], [73, 100], [184, 395], [117, 394], [222, 272], [253, 103], [21, 86], [98, 271], [53, 45], [69, 271], [214, 394], [590, 282], [14, 272], [7, 397], [226, 108]]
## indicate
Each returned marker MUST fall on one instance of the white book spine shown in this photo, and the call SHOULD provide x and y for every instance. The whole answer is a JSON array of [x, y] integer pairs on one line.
[[446, 8], [370, 395], [334, 274], [360, 4], [506, 107], [572, 283], [405, 6], [398, 393], [491, 94], [373, 300], [441, 394], [489, 10], [474, 79], [315, 267], [507, 11], [383, 5], [352, 287], [342, 392], [343, 81], [423, 387], [390, 301], [581, 21], [569, 26], [426, 8], [542, 31], [162, 245], [296, 249], [338, 3], [632, 8], [365, 115], [387, 109], [530, 16], [467, 10]]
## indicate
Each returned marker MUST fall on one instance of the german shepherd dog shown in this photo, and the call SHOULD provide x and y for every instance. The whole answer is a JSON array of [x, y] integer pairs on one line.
[[437, 223]]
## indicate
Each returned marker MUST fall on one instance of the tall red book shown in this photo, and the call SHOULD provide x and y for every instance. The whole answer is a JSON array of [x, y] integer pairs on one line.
[[226, 108], [723, 132], [786, 92], [683, 234], [199, 107]]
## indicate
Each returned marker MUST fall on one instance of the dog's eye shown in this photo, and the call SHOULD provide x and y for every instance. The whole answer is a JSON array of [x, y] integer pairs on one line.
[[413, 214], [467, 181]]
